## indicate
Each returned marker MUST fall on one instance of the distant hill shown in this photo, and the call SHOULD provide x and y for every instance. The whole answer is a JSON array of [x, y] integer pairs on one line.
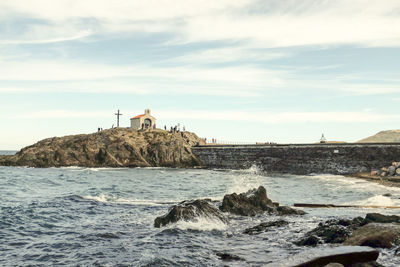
[[383, 137]]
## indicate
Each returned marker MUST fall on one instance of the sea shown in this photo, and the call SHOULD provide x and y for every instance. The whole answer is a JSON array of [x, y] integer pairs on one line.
[[78, 216]]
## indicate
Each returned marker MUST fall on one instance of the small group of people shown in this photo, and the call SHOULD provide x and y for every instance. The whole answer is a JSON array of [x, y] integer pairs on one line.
[[99, 129], [175, 129], [213, 140], [144, 126]]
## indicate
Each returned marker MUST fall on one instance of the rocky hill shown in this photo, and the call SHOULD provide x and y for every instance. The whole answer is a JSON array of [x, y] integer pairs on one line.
[[383, 137], [118, 147]]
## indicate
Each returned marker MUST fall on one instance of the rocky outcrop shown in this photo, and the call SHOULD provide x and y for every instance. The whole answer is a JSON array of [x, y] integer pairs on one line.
[[376, 235], [285, 210], [388, 172], [331, 231], [251, 203], [228, 256], [375, 230], [118, 147], [262, 227], [190, 211], [345, 256]]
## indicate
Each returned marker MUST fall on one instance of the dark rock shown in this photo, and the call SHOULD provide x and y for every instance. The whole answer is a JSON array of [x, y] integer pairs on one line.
[[251, 203], [285, 210], [380, 218], [367, 264], [190, 211], [334, 264], [331, 231], [309, 240], [228, 257], [377, 235], [345, 255], [391, 170], [387, 195], [264, 227]]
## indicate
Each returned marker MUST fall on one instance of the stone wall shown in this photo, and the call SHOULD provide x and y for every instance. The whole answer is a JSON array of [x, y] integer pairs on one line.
[[302, 158]]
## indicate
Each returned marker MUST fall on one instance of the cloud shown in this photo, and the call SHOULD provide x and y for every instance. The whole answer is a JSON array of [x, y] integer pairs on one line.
[[77, 76], [273, 23], [229, 115], [279, 117]]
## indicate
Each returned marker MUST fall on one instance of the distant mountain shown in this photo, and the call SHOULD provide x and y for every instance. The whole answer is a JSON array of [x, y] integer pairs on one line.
[[383, 137]]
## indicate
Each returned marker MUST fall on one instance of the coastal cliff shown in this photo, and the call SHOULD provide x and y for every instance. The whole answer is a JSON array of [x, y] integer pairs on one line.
[[118, 147]]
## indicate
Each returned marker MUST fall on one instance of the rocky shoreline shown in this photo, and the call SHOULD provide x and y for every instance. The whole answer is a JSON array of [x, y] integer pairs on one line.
[[355, 241], [387, 176], [118, 147]]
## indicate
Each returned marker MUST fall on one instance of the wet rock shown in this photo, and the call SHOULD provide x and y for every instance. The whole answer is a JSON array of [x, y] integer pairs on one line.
[[377, 235], [380, 218], [262, 227], [391, 170], [384, 174], [344, 255], [398, 171], [331, 231], [285, 210], [367, 264], [228, 257], [334, 264], [251, 203], [387, 195], [309, 241], [190, 211]]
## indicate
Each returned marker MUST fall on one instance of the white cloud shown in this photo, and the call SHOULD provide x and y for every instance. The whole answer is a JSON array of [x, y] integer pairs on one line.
[[278, 117], [229, 115], [76, 76], [273, 23]]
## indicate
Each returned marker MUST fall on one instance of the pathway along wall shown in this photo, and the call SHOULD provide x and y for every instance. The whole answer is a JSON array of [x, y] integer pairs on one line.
[[301, 158]]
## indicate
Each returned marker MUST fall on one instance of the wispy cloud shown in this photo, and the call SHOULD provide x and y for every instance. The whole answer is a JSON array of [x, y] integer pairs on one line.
[[229, 115], [279, 117], [75, 76], [273, 23]]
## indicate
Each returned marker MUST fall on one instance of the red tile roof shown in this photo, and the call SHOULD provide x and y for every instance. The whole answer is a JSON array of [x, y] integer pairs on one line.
[[138, 116]]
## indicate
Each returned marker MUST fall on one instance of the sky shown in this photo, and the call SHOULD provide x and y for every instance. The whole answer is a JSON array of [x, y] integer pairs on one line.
[[282, 71]]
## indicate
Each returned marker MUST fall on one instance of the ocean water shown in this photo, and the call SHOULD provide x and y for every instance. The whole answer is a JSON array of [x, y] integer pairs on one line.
[[104, 216]]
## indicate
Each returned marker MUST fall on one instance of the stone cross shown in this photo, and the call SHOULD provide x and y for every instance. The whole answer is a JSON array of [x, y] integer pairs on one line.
[[118, 114]]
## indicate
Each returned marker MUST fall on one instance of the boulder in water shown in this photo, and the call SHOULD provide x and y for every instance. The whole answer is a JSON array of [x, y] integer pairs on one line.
[[251, 203], [380, 218], [285, 210], [344, 255], [391, 170], [377, 235], [190, 211], [331, 231], [264, 227], [228, 257]]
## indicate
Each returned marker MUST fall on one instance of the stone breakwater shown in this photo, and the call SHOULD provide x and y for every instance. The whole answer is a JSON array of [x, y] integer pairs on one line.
[[118, 147], [301, 158]]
